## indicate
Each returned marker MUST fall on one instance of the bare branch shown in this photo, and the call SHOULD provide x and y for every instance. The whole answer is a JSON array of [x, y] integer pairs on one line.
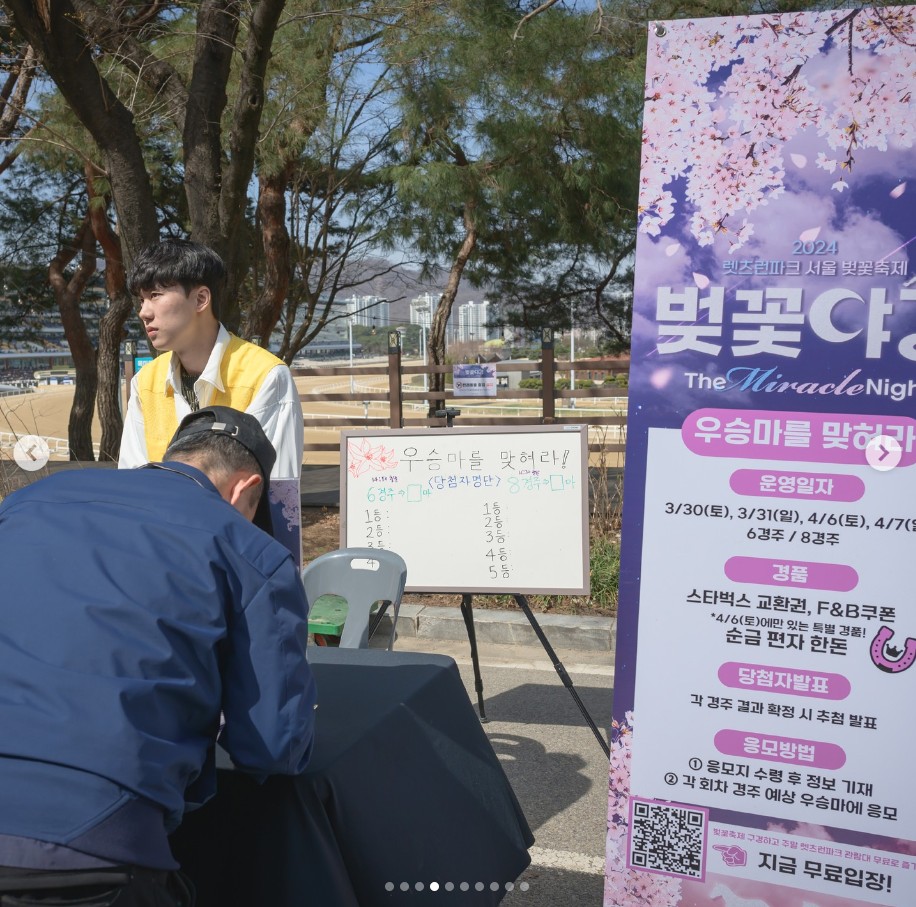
[[16, 92], [67, 57], [159, 76], [841, 22], [882, 16], [528, 16], [39, 133], [141, 17]]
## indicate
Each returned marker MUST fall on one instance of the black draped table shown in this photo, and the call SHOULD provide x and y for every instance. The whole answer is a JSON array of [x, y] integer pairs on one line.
[[403, 789]]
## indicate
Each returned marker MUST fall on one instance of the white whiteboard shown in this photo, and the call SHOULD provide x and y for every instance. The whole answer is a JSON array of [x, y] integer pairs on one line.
[[500, 509]]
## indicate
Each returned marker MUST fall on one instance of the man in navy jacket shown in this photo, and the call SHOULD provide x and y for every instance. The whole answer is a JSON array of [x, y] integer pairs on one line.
[[143, 614]]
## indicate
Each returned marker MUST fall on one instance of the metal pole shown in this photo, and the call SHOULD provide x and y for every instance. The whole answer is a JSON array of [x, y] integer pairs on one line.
[[572, 356], [548, 403], [396, 417], [425, 362], [350, 335], [130, 350]]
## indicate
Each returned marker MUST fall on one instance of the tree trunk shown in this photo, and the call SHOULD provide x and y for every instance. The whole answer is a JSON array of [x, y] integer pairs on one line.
[[111, 325], [242, 142], [79, 426], [446, 301], [217, 177], [217, 28], [111, 333], [217, 173], [14, 96], [68, 294], [54, 31], [275, 238]]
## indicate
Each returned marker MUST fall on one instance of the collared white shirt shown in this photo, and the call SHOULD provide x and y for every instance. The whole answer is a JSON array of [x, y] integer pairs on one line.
[[276, 406]]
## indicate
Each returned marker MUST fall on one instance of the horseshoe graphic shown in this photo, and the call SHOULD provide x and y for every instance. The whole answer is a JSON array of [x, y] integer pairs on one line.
[[892, 665]]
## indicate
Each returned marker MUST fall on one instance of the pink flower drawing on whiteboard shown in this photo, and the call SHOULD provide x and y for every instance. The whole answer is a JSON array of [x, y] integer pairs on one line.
[[625, 887], [363, 456], [725, 96]]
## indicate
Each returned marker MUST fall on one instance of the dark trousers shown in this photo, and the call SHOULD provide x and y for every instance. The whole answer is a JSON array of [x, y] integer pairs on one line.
[[121, 886]]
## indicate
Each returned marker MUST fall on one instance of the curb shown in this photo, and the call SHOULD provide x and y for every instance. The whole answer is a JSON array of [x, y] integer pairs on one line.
[[564, 631]]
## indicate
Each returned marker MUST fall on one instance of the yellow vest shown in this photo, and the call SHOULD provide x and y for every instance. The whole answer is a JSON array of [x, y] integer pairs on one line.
[[242, 369]]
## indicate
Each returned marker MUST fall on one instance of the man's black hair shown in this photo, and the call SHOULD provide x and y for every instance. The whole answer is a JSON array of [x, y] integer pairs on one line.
[[178, 261], [217, 452], [244, 434]]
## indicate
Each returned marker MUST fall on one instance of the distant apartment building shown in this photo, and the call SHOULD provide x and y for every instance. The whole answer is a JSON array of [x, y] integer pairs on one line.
[[369, 311], [424, 306], [475, 322], [335, 339]]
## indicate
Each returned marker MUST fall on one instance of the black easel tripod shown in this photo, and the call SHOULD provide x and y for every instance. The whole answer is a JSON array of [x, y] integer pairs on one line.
[[467, 612]]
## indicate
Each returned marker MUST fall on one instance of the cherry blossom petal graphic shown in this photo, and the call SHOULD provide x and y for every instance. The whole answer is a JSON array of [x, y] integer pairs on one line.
[[839, 185], [387, 459], [701, 280], [810, 235], [363, 456], [799, 160], [897, 191], [826, 163], [358, 467], [675, 246]]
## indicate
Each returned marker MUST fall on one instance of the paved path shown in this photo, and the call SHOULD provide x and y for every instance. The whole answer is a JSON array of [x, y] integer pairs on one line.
[[552, 759]]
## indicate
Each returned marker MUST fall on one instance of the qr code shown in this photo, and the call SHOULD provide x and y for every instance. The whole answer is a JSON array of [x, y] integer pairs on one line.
[[668, 838]]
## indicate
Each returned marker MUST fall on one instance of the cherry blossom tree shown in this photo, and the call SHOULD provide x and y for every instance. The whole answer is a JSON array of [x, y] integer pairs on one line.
[[725, 96]]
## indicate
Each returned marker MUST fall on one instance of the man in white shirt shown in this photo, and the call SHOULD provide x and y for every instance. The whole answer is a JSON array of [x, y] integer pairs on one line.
[[179, 284]]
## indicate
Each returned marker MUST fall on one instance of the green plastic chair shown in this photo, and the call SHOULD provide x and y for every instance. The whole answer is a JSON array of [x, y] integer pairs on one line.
[[361, 577]]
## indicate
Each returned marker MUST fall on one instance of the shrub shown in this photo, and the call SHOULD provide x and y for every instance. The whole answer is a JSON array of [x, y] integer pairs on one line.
[[605, 571], [559, 384]]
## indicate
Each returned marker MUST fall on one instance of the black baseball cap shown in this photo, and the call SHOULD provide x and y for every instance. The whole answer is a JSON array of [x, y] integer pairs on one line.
[[245, 429]]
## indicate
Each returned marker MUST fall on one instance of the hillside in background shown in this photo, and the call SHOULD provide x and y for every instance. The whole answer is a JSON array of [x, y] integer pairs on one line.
[[404, 283]]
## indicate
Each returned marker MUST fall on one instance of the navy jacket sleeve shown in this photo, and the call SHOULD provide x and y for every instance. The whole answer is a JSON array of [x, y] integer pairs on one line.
[[268, 689]]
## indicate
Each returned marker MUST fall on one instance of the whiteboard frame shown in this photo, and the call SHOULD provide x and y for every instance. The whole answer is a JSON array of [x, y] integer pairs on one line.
[[584, 587]]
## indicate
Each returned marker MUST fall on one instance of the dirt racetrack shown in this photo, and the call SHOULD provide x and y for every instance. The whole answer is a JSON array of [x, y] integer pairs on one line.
[[46, 413]]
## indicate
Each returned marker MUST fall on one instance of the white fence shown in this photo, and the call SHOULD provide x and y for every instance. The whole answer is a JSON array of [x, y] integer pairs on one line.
[[7, 391], [59, 447]]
